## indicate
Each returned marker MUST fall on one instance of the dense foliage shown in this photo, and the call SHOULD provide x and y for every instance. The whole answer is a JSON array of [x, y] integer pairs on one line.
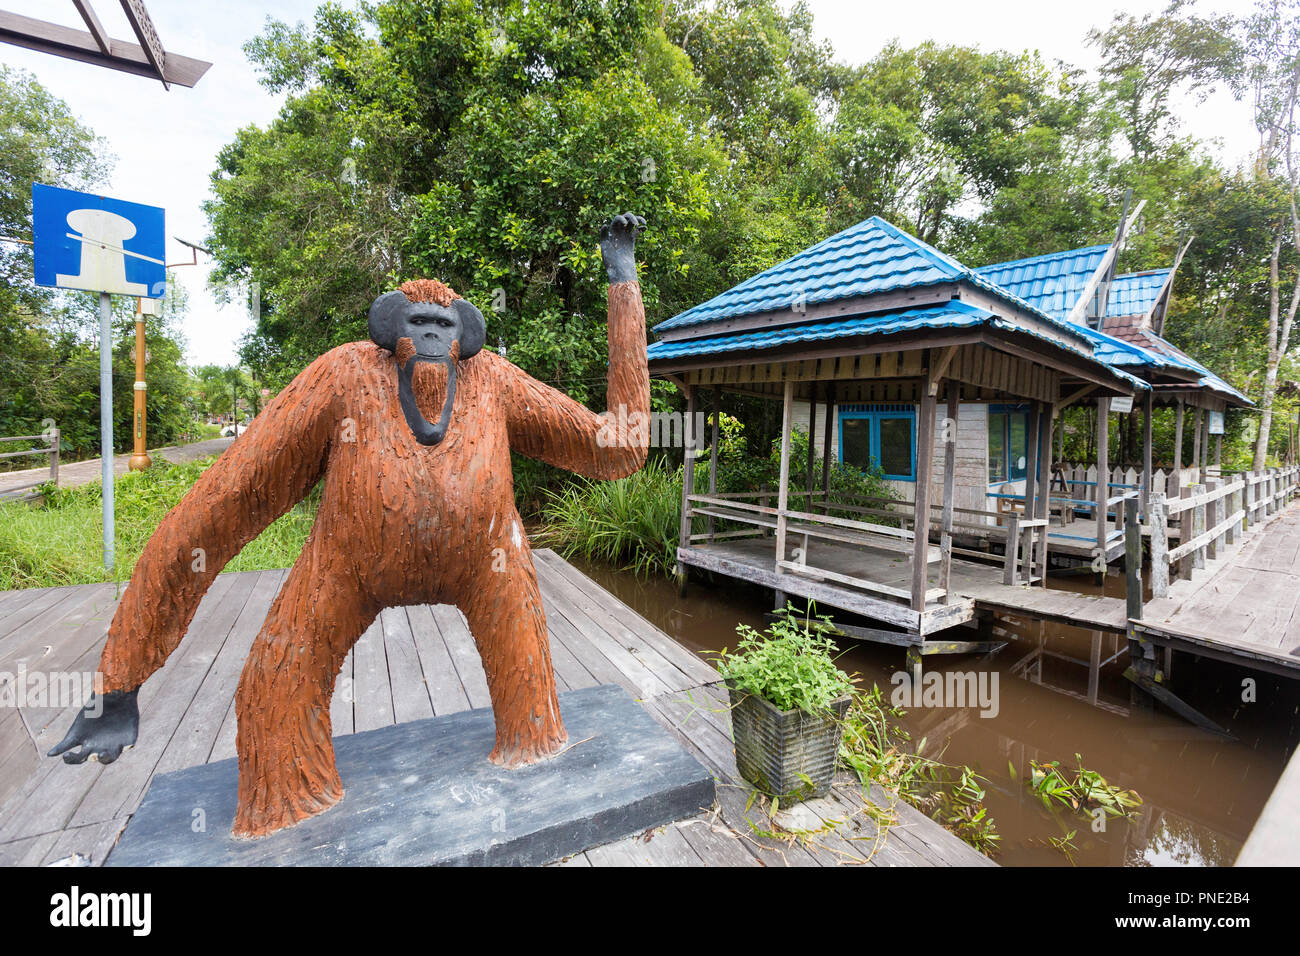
[[483, 143]]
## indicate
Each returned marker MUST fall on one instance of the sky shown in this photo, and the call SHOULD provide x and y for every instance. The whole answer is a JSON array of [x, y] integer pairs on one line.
[[166, 142]]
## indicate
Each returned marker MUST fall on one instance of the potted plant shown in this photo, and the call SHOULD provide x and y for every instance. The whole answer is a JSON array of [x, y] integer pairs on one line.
[[788, 701]]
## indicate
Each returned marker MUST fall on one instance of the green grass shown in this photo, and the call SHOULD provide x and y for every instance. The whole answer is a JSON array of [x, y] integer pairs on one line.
[[60, 542], [631, 523]]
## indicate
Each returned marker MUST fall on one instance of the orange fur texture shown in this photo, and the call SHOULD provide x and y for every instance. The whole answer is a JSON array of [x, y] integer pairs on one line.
[[399, 523]]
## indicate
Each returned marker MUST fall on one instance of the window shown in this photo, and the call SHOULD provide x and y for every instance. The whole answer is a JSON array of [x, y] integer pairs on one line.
[[1008, 448], [883, 435]]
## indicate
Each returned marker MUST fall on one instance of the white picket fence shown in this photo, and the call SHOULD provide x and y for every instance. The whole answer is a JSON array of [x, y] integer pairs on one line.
[[1168, 483]]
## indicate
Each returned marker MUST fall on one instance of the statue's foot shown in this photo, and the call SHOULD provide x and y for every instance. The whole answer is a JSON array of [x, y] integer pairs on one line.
[[521, 753], [276, 808]]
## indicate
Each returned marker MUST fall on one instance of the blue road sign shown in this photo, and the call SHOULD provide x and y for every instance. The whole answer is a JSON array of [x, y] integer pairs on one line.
[[82, 241]]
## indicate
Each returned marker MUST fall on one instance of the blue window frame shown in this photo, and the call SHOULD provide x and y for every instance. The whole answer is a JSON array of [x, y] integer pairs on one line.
[[881, 436], [1008, 442]]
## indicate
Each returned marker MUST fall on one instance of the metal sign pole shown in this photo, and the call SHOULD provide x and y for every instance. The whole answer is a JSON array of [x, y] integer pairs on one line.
[[106, 418]]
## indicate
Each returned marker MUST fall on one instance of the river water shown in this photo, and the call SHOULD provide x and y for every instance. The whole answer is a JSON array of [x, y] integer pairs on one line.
[[1201, 793]]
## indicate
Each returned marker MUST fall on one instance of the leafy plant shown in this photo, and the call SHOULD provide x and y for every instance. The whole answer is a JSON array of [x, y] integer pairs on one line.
[[631, 522], [791, 665], [878, 749], [1082, 789]]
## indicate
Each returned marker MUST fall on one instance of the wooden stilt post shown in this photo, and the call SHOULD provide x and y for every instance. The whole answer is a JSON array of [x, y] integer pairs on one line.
[[1132, 560], [1103, 481], [1031, 484], [1148, 409], [688, 483], [1196, 444], [1039, 565], [1178, 438], [1157, 520], [783, 489], [812, 431], [949, 434], [921, 526], [827, 440], [713, 455]]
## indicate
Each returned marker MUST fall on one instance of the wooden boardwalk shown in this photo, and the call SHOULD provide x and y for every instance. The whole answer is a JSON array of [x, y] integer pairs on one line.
[[1243, 608], [412, 663]]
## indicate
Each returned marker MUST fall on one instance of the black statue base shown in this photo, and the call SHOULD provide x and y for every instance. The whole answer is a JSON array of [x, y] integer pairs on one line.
[[424, 793]]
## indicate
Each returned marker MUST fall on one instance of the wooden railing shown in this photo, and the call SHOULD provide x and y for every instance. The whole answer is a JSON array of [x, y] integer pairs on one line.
[[51, 450], [760, 518], [1211, 516]]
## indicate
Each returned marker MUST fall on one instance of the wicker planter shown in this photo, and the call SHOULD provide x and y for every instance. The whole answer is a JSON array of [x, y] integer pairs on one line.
[[776, 749]]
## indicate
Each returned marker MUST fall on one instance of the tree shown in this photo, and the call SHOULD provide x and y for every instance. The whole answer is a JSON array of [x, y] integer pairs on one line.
[[1145, 61], [1273, 41]]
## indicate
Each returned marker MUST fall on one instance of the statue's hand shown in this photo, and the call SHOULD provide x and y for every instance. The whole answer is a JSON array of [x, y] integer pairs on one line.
[[618, 247], [102, 734]]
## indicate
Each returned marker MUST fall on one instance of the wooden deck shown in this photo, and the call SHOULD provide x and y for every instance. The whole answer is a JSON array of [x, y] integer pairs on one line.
[[412, 663], [1244, 608], [979, 584]]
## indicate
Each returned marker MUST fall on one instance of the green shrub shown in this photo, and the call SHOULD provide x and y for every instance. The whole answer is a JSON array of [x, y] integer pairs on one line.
[[631, 522]]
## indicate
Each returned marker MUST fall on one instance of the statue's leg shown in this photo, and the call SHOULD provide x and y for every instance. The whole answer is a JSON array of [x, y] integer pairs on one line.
[[286, 755], [504, 611]]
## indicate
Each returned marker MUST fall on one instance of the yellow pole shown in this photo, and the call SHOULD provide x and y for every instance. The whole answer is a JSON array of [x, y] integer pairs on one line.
[[139, 456]]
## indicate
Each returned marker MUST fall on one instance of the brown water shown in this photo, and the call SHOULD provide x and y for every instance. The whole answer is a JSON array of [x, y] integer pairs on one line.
[[1201, 793]]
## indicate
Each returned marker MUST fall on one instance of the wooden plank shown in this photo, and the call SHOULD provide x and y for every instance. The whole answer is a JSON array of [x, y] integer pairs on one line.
[[372, 706], [634, 665], [446, 692], [411, 698], [464, 654], [52, 796], [242, 613], [119, 790], [693, 668]]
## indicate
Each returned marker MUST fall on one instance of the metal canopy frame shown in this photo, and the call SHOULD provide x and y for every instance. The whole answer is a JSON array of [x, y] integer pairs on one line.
[[95, 46]]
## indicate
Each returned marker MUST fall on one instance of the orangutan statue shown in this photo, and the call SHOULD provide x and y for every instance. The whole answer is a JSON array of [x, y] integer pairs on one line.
[[410, 434]]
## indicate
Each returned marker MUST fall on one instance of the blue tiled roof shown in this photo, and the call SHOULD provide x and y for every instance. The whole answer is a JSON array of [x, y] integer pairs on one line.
[[871, 257], [1135, 293], [954, 314], [1051, 283]]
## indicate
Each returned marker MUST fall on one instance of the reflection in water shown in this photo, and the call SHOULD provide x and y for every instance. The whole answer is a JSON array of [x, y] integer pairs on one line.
[[1061, 693]]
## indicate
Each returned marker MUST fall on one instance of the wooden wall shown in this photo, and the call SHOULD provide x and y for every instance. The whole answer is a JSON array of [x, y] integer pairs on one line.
[[971, 476]]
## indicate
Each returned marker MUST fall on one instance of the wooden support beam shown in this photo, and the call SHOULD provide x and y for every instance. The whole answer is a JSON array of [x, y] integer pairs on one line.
[[1148, 409], [1178, 437], [812, 431], [713, 454], [941, 369], [1030, 499], [1196, 443], [828, 438], [924, 468], [1103, 475], [783, 481], [1132, 560], [1175, 703], [1074, 397], [1043, 513], [949, 435], [1158, 522], [688, 485]]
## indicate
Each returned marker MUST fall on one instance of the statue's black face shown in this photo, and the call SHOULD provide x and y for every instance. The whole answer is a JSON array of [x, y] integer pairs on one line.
[[432, 329]]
